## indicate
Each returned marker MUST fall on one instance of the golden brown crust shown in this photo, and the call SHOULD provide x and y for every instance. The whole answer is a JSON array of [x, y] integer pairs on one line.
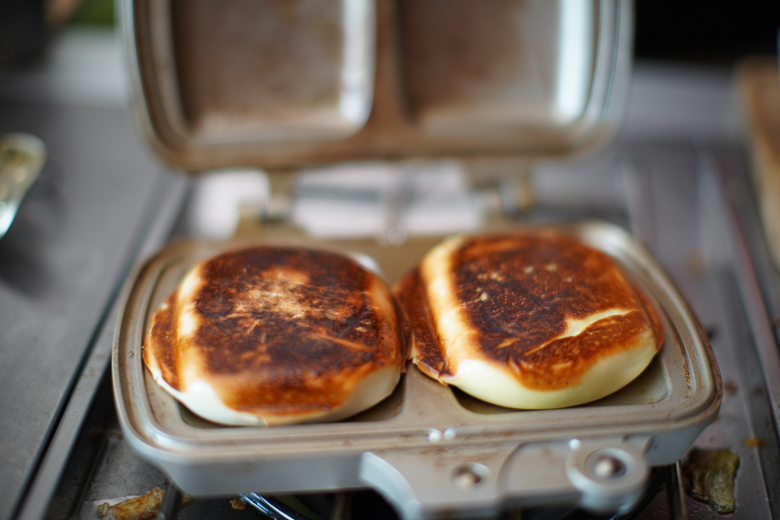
[[281, 330], [562, 362], [159, 344], [516, 294], [426, 352]]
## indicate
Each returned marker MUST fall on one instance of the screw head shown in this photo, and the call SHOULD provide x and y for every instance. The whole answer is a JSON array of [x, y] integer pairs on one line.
[[608, 466]]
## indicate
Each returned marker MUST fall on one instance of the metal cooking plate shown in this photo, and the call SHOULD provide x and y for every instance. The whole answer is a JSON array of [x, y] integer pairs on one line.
[[280, 83], [427, 448]]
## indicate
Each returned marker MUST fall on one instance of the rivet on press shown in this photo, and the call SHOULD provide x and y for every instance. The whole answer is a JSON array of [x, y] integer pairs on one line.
[[468, 476], [608, 466], [434, 435]]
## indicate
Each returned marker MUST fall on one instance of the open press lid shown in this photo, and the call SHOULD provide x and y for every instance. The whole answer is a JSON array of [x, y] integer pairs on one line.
[[285, 83]]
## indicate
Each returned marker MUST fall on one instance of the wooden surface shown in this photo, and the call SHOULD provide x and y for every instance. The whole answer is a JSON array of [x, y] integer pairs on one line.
[[759, 82]]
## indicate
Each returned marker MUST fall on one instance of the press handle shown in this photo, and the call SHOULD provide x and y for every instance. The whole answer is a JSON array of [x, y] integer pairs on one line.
[[602, 476]]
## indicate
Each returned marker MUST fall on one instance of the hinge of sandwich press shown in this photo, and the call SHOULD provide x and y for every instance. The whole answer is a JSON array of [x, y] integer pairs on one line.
[[502, 187], [275, 209]]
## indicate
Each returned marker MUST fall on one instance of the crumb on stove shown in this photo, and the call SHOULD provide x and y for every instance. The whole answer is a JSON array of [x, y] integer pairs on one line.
[[754, 442], [143, 507]]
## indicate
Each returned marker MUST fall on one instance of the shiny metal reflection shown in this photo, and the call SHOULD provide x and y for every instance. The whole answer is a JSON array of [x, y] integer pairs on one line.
[[21, 159]]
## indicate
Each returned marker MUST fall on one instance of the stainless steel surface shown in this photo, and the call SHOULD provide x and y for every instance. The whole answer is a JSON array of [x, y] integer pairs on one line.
[[85, 396], [696, 248], [678, 509], [757, 280], [472, 69], [302, 72], [516, 77], [270, 507], [61, 266], [760, 321]]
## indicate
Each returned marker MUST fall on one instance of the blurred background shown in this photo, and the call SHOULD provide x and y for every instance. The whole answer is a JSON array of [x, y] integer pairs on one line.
[[697, 31], [678, 175]]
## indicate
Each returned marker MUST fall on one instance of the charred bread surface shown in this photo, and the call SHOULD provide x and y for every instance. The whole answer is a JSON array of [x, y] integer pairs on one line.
[[528, 320], [274, 335]]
